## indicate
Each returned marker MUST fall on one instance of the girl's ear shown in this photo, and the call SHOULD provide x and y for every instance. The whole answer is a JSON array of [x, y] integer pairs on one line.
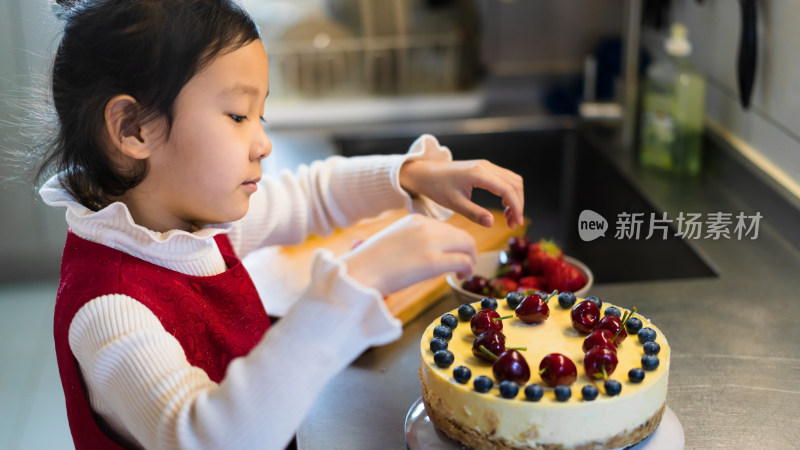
[[124, 128]]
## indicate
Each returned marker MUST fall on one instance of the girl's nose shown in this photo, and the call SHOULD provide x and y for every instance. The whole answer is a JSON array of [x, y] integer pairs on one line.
[[262, 146]]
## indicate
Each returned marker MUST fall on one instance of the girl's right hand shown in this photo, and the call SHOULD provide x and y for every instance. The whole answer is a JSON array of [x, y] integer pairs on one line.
[[413, 249]]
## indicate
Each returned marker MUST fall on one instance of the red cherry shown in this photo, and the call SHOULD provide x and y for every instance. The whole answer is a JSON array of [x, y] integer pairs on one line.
[[557, 369], [518, 247], [600, 362], [492, 340], [513, 270], [476, 284], [533, 309], [585, 316], [599, 337], [485, 320], [500, 287], [614, 325], [511, 366]]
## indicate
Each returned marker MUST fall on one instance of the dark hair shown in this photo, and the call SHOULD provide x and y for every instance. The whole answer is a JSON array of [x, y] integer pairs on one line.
[[148, 49]]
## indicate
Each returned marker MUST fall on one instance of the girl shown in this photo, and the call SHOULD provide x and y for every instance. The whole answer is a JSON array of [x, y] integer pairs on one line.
[[161, 338]]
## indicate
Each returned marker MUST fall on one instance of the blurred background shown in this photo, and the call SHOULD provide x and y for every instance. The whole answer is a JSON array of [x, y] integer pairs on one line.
[[359, 76]]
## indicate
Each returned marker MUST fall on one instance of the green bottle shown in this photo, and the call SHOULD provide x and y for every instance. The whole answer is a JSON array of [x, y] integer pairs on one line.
[[673, 106]]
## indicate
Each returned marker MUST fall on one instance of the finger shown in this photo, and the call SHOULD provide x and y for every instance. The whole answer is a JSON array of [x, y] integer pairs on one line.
[[472, 211], [512, 207], [459, 263], [501, 182], [517, 184], [510, 218], [456, 240], [514, 216], [463, 275], [438, 237]]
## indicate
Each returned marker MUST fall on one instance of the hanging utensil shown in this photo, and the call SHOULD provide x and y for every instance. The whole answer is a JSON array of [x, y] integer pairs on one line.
[[746, 62]]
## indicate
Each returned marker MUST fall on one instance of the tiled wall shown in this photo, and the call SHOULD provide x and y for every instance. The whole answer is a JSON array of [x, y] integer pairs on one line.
[[772, 124]]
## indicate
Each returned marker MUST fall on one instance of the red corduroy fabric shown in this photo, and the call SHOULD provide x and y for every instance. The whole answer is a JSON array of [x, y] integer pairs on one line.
[[215, 318]]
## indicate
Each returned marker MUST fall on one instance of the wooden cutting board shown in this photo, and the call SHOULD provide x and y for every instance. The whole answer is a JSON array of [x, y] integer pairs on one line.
[[408, 303]]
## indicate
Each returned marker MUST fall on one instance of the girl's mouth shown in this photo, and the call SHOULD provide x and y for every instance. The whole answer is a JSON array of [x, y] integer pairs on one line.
[[251, 185]]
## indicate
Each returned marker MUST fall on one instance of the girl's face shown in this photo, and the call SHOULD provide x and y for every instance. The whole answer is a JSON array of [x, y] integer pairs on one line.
[[206, 169]]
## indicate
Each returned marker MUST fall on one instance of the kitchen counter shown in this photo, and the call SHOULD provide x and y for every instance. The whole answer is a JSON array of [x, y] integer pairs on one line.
[[735, 337]]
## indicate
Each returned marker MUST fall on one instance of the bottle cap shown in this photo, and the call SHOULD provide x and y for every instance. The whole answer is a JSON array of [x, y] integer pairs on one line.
[[678, 44]]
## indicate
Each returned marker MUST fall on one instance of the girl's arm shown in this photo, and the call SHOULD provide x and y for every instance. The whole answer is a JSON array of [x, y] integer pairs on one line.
[[140, 382], [335, 192]]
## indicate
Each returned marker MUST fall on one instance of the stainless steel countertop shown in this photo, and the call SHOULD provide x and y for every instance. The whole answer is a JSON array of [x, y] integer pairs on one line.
[[735, 367]]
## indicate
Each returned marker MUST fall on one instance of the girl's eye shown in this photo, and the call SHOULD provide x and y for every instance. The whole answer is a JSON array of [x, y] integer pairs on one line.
[[263, 120], [238, 119]]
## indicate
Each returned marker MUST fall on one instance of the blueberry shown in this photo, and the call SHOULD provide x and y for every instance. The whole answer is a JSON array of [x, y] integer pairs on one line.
[[650, 362], [613, 387], [483, 384], [443, 331], [613, 311], [636, 375], [534, 392], [450, 321], [514, 299], [462, 374], [566, 299], [489, 303], [438, 343], [443, 358], [589, 392], [563, 393], [646, 335], [651, 348], [509, 389], [596, 301], [633, 325], [466, 311]]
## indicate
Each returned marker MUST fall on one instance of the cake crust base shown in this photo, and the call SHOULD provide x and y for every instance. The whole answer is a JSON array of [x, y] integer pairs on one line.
[[480, 440]]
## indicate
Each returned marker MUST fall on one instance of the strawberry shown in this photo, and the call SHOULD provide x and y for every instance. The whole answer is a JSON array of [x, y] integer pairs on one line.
[[541, 282], [539, 252], [563, 276], [531, 282], [500, 287]]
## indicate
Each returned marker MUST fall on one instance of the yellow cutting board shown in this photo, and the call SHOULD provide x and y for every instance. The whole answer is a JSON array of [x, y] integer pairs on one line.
[[408, 303]]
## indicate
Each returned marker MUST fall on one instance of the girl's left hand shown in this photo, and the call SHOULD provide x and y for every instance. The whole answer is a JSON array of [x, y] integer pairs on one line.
[[450, 184]]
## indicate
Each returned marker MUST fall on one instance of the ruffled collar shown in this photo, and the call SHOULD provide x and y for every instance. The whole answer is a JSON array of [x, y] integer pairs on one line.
[[113, 226]]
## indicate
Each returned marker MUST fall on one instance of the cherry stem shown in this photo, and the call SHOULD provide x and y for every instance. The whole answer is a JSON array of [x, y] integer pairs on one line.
[[544, 369], [552, 294], [625, 318], [604, 376], [501, 318], [501, 271], [519, 349], [486, 350]]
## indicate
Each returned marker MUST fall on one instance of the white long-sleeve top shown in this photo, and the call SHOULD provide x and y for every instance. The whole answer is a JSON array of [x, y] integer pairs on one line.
[[136, 373]]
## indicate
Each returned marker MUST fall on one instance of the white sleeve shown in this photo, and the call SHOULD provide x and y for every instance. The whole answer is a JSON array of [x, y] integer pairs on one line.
[[332, 193], [139, 380]]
